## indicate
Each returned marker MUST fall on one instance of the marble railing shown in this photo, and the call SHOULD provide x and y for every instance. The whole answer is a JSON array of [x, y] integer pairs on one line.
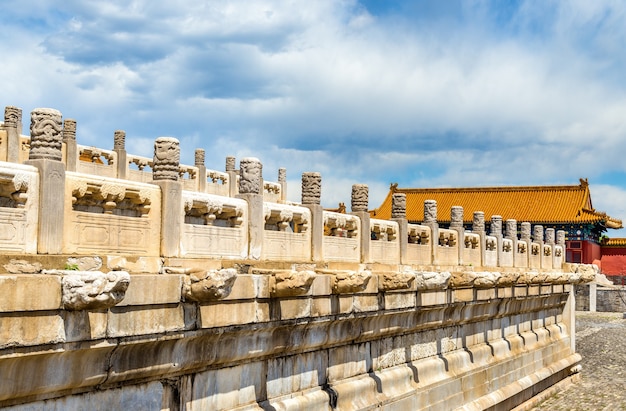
[[149, 291]]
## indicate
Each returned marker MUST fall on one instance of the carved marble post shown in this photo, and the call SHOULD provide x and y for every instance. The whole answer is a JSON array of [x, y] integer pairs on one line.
[[199, 162], [496, 231], [45, 154], [71, 150], [538, 237], [13, 126], [232, 176], [525, 230], [430, 220], [398, 214], [311, 198], [511, 234], [282, 180], [251, 190], [560, 238], [166, 163], [478, 227], [456, 223], [119, 147], [359, 204]]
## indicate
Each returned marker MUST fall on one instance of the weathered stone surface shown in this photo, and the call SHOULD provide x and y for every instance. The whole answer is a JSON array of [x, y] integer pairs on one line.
[[69, 130], [45, 134], [12, 116], [29, 293], [456, 217], [508, 278], [478, 224], [432, 280], [91, 290], [199, 156], [398, 205], [476, 279], [311, 188], [396, 281], [581, 273], [23, 267], [166, 159], [430, 211], [139, 265], [208, 285], [350, 281], [119, 140], [251, 175], [85, 263], [291, 283], [360, 197]]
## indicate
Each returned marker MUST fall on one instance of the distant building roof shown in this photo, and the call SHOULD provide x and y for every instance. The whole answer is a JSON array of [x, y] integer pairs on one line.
[[614, 242], [566, 204]]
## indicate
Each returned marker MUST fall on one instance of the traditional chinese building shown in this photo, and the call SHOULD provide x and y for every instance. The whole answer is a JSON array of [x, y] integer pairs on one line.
[[564, 207]]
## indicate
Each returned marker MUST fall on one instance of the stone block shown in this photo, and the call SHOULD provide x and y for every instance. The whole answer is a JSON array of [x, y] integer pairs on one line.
[[221, 314], [397, 300], [228, 388], [348, 361], [533, 290], [320, 306], [288, 375], [428, 298], [148, 396], [45, 328], [463, 295], [520, 291], [545, 289], [18, 293], [486, 294], [505, 292], [346, 304], [127, 321], [153, 289], [85, 325], [322, 285], [150, 265], [291, 308], [245, 287], [262, 311], [363, 303], [557, 288]]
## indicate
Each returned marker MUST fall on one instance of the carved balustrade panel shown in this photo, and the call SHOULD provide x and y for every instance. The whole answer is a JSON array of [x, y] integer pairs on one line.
[[521, 254], [109, 215], [140, 168], [287, 236], [19, 208], [341, 237], [384, 242], [506, 256], [420, 243], [271, 191], [96, 161], [472, 250], [214, 226], [188, 175], [217, 182], [448, 247], [491, 251]]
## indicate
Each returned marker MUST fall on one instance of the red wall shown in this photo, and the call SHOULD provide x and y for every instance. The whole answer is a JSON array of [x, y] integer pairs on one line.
[[614, 261], [591, 252]]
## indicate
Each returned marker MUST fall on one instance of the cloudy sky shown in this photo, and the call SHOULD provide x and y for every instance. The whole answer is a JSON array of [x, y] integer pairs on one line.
[[425, 93]]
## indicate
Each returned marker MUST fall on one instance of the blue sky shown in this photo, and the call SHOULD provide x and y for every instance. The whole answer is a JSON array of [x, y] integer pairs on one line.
[[422, 93]]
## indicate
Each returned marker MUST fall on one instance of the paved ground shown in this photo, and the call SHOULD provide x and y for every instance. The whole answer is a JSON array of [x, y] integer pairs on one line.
[[601, 340]]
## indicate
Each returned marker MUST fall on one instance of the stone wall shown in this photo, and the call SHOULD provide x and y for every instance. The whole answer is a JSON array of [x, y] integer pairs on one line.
[[128, 289]]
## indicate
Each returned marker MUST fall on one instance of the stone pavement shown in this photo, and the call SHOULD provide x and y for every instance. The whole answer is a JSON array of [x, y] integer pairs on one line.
[[601, 340]]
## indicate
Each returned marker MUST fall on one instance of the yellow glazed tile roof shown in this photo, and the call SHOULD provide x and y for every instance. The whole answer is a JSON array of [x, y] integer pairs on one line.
[[615, 242], [533, 204]]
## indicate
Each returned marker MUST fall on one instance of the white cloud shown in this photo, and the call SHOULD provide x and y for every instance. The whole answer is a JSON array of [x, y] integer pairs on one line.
[[482, 96]]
